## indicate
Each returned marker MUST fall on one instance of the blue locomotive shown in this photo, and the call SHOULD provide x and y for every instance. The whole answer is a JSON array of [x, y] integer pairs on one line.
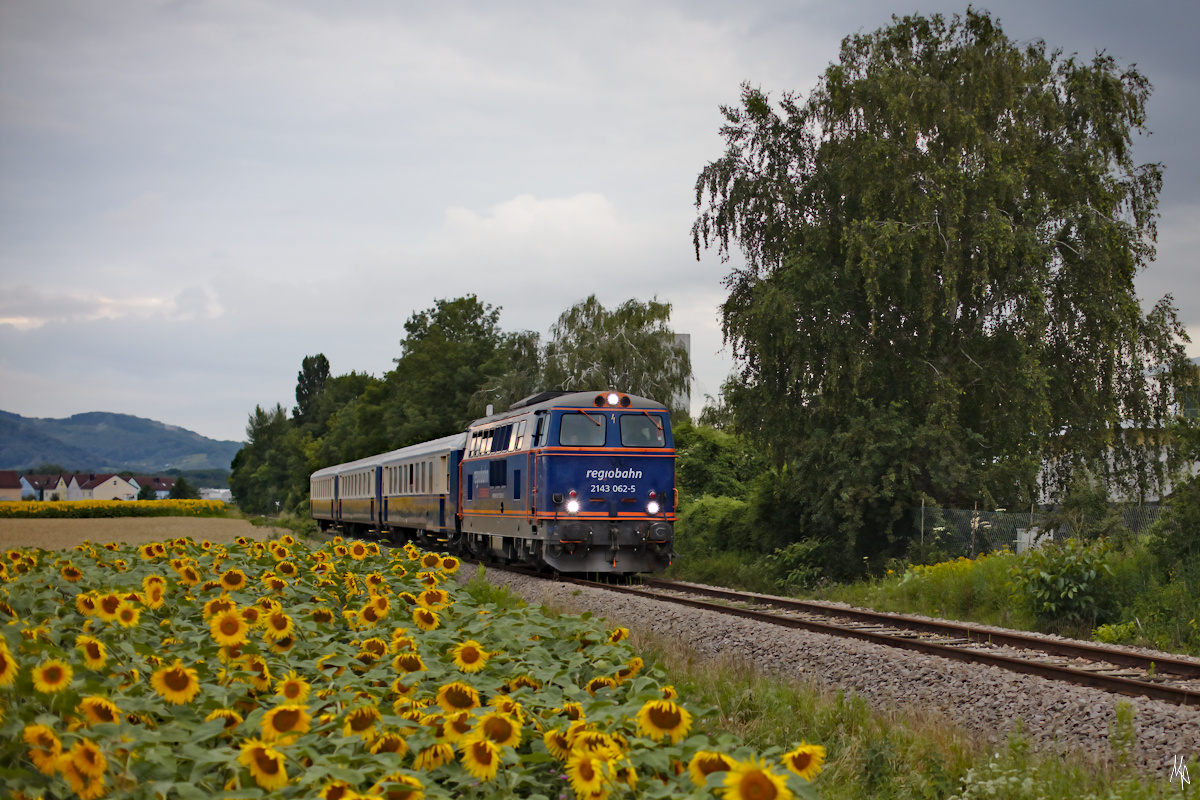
[[574, 481]]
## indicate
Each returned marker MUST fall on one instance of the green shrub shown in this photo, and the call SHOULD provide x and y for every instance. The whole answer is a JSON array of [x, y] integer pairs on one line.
[[1065, 582]]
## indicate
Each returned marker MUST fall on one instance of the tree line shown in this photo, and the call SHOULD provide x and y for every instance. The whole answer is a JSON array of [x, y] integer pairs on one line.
[[454, 361]]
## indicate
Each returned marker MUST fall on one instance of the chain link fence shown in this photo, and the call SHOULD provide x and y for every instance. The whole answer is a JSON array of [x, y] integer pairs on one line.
[[970, 532]]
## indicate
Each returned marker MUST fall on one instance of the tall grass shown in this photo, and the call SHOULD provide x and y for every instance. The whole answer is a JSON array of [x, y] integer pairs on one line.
[[978, 590]]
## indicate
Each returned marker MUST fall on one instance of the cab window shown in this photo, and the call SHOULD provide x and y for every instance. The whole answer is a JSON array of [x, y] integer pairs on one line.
[[641, 430], [578, 429]]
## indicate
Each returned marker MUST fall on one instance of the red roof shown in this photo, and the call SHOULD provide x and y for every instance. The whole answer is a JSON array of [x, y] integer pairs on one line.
[[43, 481], [95, 480], [9, 479], [159, 482]]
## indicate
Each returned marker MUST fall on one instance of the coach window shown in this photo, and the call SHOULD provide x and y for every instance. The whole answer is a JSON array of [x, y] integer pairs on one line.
[[642, 430], [520, 445], [582, 429]]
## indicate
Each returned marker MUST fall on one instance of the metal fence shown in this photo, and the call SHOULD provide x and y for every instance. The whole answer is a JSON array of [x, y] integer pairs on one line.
[[969, 532]]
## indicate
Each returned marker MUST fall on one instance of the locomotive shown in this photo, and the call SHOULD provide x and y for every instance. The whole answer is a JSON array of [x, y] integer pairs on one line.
[[570, 481]]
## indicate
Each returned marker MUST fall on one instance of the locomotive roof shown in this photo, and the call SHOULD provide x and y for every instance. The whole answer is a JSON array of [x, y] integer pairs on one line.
[[547, 400]]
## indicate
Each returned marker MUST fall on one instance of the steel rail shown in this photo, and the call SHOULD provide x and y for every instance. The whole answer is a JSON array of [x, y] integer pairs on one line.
[[1174, 666], [1109, 683]]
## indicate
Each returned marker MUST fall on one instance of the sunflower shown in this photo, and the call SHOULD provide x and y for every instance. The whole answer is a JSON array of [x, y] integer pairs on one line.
[[600, 682], [456, 726], [100, 710], [219, 605], [177, 684], [283, 644], [85, 604], [322, 615], [337, 790], [229, 628], [430, 579], [450, 565], [470, 656], [128, 614], [146, 551], [285, 722], [398, 786], [230, 717], [705, 763], [754, 780], [399, 571], [431, 561], [71, 573], [106, 606], [287, 568], [499, 728], [87, 758], [407, 597], [558, 743], [508, 706], [362, 721], [188, 576], [669, 693], [659, 718], [572, 711], [358, 551], [390, 743], [44, 747], [279, 552], [155, 596], [426, 620], [807, 760], [618, 634], [587, 774], [52, 675], [86, 787], [293, 687], [434, 756], [265, 764], [369, 615], [232, 580], [340, 550], [8, 665], [457, 696], [630, 670], [523, 682], [260, 674], [481, 758], [277, 625]]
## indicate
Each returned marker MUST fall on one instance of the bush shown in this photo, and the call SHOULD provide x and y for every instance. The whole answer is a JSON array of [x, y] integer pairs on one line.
[[1065, 581]]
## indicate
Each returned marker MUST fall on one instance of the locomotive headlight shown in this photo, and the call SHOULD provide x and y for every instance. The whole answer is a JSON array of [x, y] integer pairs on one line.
[[652, 507], [613, 398], [572, 506]]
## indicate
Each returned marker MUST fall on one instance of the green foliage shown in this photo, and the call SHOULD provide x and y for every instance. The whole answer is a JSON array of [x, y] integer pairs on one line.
[[710, 461], [1175, 537], [938, 296], [1087, 513], [147, 492], [484, 593], [310, 382], [799, 563], [182, 490], [1065, 581]]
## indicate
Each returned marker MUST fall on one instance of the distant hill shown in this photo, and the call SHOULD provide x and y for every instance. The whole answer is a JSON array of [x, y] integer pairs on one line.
[[99, 441]]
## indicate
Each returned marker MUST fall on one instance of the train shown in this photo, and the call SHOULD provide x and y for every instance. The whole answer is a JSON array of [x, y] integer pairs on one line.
[[574, 482]]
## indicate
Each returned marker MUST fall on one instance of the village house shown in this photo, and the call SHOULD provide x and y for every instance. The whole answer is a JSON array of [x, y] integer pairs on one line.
[[44, 487], [10, 485], [162, 486]]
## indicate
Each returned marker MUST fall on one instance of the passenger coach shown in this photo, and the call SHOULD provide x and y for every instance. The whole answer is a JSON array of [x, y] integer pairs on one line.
[[580, 482]]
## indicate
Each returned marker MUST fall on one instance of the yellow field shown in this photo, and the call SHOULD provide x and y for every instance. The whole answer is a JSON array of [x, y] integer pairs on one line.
[[58, 534]]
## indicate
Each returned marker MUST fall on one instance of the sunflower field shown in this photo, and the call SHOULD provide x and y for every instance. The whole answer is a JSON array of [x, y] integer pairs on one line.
[[94, 509], [195, 670]]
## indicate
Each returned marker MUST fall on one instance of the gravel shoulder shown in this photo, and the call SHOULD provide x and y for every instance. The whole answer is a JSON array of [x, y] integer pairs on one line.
[[1055, 717], [62, 534]]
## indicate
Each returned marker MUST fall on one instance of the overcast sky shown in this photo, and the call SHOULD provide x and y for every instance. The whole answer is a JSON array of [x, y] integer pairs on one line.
[[195, 195]]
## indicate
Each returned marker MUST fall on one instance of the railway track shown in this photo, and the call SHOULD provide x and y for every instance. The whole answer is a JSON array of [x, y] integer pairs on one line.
[[1174, 680]]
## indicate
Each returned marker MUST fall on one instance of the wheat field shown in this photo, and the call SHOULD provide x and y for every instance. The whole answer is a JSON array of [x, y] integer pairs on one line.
[[59, 534]]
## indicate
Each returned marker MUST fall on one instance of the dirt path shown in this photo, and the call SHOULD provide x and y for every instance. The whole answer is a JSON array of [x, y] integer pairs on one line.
[[58, 534]]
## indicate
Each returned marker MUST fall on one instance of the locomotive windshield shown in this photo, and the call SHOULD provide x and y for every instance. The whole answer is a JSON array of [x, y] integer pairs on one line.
[[581, 429], [642, 430]]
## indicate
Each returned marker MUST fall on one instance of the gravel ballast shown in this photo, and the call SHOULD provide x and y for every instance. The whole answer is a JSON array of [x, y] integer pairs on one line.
[[1056, 717]]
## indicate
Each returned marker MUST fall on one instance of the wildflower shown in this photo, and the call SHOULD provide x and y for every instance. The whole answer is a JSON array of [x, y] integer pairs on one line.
[[71, 573], [499, 728], [232, 580], [128, 614], [558, 743], [87, 758], [278, 625], [293, 687], [362, 721], [425, 619], [358, 551], [229, 628], [586, 773], [618, 634], [106, 606]]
